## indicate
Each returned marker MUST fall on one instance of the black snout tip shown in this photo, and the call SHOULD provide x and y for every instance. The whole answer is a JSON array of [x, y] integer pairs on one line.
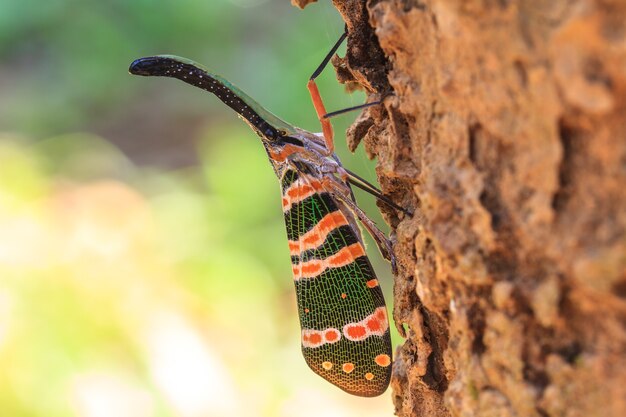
[[143, 66]]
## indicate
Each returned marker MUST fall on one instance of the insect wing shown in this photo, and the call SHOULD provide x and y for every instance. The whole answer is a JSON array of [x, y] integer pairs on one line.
[[345, 330]]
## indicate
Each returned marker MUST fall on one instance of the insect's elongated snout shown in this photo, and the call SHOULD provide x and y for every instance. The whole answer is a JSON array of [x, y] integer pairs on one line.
[[194, 74]]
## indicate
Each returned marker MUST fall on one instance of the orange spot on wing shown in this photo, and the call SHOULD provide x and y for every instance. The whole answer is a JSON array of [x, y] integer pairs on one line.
[[344, 295], [355, 331], [327, 365], [369, 376], [372, 283], [306, 310], [315, 338], [381, 314], [382, 360], [332, 335], [373, 324], [348, 367]]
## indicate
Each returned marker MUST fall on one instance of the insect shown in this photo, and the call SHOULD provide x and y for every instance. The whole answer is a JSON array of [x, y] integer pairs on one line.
[[343, 318]]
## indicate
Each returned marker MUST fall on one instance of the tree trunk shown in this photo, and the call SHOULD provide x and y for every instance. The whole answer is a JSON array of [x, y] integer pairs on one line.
[[504, 129]]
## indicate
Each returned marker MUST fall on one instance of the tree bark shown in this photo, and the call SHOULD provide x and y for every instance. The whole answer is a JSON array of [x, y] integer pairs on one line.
[[504, 129]]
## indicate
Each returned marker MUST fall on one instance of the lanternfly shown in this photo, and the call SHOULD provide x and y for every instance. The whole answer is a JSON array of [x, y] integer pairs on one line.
[[343, 318]]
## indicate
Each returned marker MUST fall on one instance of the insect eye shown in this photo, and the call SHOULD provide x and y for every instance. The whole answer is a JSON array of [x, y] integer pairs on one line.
[[270, 133]]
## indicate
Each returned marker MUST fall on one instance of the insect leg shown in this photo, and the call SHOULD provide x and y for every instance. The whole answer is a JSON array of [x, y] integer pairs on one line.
[[348, 177], [327, 128], [349, 109], [366, 186]]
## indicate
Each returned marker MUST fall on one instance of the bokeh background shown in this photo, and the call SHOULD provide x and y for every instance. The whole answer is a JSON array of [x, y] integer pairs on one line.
[[144, 269]]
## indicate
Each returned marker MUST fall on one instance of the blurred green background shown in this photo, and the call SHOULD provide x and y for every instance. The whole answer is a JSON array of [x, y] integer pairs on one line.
[[144, 268]]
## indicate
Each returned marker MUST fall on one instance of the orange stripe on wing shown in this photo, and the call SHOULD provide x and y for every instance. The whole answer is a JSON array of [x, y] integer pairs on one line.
[[346, 255], [316, 338], [318, 234], [376, 324], [299, 191], [315, 267]]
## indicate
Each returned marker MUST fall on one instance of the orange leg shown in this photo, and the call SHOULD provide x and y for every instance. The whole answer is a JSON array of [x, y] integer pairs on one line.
[[327, 128]]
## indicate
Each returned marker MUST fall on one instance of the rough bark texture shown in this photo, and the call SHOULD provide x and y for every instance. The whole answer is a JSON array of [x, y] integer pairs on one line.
[[504, 128]]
